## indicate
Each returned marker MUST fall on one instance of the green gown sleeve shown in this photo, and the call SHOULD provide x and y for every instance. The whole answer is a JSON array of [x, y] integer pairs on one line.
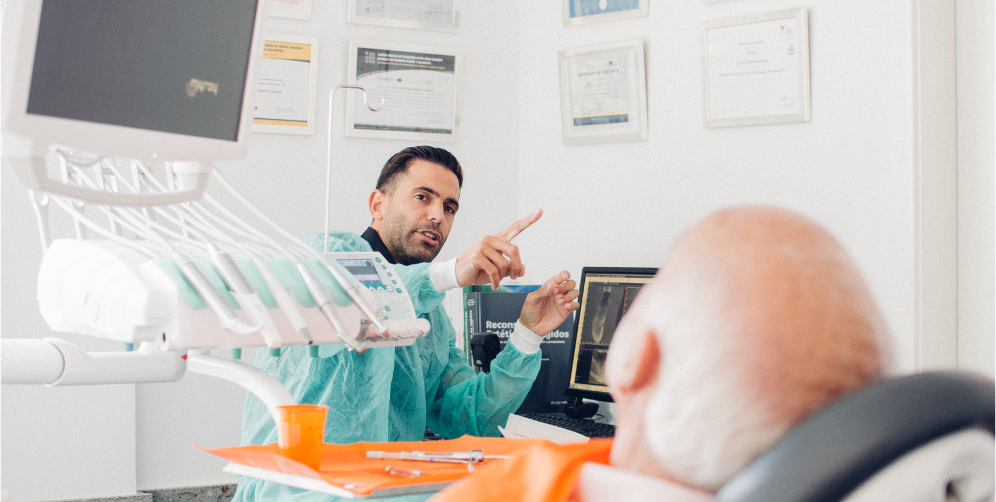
[[459, 400]]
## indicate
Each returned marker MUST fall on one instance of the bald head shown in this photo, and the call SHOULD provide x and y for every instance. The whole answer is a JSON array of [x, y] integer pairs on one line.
[[758, 317], [807, 327]]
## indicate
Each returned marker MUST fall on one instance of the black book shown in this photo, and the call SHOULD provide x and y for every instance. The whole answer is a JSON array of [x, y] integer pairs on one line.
[[497, 312]]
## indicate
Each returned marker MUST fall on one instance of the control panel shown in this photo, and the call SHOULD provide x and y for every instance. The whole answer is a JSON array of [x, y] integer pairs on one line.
[[380, 278]]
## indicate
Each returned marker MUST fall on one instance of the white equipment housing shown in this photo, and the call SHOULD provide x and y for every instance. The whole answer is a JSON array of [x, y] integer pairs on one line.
[[124, 296]]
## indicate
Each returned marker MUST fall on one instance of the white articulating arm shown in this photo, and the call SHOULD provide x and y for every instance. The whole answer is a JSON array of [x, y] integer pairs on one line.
[[29, 361], [52, 361], [266, 388]]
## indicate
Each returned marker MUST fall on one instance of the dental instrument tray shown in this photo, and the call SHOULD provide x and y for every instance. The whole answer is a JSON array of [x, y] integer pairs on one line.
[[351, 471]]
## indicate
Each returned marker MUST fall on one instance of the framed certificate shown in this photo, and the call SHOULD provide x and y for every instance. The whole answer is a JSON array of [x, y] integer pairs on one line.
[[603, 93], [755, 69], [286, 86], [593, 11], [420, 87], [293, 9], [438, 15]]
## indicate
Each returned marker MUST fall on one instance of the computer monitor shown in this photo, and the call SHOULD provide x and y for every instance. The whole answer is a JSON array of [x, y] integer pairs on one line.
[[606, 293], [139, 79]]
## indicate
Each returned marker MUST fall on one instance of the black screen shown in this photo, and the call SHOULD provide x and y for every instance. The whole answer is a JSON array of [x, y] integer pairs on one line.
[[175, 66]]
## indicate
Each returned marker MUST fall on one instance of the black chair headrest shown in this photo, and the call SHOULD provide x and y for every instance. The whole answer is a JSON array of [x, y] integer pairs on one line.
[[836, 449]]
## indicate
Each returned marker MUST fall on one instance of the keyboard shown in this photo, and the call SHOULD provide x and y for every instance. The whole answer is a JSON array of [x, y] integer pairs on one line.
[[582, 426]]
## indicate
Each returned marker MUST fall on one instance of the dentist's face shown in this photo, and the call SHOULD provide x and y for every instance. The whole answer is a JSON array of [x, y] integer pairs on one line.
[[415, 218]]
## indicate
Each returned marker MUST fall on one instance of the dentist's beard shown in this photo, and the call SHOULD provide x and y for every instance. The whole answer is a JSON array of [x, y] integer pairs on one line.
[[406, 244]]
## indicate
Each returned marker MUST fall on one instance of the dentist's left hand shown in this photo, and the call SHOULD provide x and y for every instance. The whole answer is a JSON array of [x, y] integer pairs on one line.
[[548, 307]]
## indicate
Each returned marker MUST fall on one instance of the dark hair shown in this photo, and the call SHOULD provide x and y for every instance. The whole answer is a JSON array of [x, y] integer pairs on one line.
[[399, 162]]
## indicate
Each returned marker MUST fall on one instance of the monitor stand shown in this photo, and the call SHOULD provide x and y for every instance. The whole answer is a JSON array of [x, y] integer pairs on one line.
[[577, 408]]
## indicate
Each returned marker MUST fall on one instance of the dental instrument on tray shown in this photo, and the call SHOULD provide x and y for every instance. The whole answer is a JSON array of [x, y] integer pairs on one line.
[[469, 457], [399, 471], [456, 457]]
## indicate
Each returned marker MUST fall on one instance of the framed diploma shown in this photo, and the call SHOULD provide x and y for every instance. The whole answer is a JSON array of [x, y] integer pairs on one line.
[[286, 85], [293, 9], [755, 69], [603, 91], [420, 87], [438, 15], [593, 11]]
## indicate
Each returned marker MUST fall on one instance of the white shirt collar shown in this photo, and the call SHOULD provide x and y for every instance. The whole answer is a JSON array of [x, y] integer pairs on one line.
[[598, 482]]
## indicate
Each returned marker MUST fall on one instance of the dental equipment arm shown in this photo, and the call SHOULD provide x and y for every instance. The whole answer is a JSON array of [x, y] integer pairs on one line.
[[271, 392], [51, 361]]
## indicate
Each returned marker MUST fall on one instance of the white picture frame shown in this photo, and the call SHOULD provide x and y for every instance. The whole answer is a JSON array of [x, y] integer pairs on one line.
[[291, 9], [603, 91], [755, 69], [433, 15], [287, 84], [579, 12], [419, 85]]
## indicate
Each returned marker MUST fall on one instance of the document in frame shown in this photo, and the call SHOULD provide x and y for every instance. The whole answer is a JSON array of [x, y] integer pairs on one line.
[[757, 72], [286, 82], [438, 15], [604, 94], [418, 86], [578, 12], [292, 9]]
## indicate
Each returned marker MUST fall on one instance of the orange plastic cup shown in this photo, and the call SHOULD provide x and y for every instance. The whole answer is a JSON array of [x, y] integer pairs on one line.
[[301, 432]]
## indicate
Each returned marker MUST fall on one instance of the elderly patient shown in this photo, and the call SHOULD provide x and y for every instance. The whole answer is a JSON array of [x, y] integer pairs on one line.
[[757, 318]]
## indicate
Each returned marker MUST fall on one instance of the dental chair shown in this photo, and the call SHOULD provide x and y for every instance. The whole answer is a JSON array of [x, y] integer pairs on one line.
[[926, 437]]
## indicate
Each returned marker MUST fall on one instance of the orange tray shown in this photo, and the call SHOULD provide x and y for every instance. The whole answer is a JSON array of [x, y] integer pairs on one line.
[[347, 472]]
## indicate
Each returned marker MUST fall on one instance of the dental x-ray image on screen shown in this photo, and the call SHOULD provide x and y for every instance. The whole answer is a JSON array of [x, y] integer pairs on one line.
[[606, 295]]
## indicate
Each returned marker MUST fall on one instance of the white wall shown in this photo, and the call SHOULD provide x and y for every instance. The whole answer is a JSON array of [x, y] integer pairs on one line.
[[852, 169], [976, 172], [849, 169]]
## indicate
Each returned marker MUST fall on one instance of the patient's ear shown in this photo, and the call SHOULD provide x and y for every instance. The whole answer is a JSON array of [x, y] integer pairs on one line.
[[637, 364], [376, 203]]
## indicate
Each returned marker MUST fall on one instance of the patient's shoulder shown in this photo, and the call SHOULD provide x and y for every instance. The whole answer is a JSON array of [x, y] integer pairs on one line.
[[598, 482]]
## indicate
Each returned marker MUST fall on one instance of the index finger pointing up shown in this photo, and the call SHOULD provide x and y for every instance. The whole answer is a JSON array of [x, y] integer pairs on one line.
[[516, 228]]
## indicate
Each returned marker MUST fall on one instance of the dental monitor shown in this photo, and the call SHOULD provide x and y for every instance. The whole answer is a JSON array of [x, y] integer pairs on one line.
[[606, 294], [142, 79]]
